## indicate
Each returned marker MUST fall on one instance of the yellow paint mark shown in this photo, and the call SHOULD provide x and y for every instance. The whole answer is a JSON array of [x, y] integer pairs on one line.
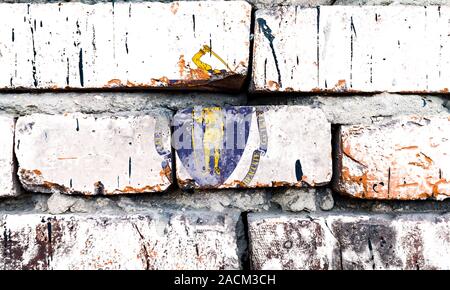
[[213, 136], [204, 66]]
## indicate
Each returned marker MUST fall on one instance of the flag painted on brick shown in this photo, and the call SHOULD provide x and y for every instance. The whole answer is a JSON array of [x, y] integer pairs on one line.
[[251, 146]]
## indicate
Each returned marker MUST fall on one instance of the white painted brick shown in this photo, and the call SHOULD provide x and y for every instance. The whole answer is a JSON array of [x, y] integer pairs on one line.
[[108, 45], [93, 154], [404, 158], [293, 144], [189, 240], [415, 241], [352, 49], [8, 186]]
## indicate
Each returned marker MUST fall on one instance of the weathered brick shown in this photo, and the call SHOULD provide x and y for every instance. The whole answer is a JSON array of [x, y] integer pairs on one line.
[[94, 154], [256, 3], [134, 45], [188, 240], [8, 185], [352, 48], [222, 147], [415, 241], [403, 158]]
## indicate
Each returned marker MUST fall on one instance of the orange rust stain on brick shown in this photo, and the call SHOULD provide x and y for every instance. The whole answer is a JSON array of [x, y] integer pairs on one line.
[[181, 65], [114, 83], [427, 159], [420, 164], [408, 147], [166, 172], [437, 187], [237, 183], [346, 149], [423, 186], [164, 80], [148, 188], [279, 183], [190, 74], [52, 185], [341, 85], [198, 74], [273, 85], [30, 175], [359, 179], [422, 189], [422, 195], [130, 84]]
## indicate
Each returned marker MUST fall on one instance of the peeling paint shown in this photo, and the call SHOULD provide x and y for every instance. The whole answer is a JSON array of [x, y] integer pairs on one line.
[[154, 241], [132, 152], [349, 242], [76, 36]]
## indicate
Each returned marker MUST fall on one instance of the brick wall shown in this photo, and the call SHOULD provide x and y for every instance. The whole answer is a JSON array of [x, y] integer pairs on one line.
[[225, 135]]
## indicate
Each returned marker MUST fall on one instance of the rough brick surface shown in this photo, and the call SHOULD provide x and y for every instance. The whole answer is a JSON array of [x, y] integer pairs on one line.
[[351, 49], [345, 167], [255, 3], [57, 46], [405, 158], [93, 154], [190, 240], [269, 146], [7, 168], [417, 241]]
